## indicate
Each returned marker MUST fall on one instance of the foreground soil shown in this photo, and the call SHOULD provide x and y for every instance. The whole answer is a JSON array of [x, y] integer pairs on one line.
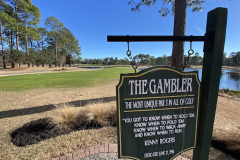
[[226, 124]]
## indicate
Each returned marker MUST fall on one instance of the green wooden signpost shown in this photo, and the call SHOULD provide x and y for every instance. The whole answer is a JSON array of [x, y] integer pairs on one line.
[[157, 113], [212, 65], [163, 112]]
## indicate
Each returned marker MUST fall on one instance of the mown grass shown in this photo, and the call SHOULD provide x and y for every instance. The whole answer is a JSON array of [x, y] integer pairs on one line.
[[61, 80]]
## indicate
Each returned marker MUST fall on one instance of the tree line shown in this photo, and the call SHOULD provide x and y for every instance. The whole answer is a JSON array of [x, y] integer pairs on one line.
[[141, 59], [23, 42], [232, 60], [145, 59]]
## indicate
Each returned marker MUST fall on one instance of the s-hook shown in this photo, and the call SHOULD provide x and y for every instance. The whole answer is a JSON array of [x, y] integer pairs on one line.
[[190, 52], [133, 63]]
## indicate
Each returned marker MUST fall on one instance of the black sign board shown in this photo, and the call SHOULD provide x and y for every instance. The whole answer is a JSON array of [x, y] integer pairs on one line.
[[157, 113]]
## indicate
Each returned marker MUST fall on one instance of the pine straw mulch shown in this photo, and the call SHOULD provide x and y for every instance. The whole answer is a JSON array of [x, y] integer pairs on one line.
[[43, 129]]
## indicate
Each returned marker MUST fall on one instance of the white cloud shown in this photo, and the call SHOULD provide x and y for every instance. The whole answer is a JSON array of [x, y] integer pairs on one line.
[[200, 30]]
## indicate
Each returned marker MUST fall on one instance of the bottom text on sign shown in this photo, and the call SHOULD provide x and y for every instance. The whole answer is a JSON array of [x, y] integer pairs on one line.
[[159, 153]]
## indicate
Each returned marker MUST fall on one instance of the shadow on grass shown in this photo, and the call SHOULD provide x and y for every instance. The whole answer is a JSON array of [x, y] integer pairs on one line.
[[40, 109]]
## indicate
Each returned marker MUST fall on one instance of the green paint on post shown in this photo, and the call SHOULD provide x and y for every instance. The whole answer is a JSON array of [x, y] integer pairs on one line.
[[212, 64], [157, 113]]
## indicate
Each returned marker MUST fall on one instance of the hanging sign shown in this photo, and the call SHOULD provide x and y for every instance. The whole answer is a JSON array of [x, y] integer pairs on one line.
[[157, 113]]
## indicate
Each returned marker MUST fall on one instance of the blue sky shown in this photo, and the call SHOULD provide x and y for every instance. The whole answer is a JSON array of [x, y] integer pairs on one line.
[[92, 20]]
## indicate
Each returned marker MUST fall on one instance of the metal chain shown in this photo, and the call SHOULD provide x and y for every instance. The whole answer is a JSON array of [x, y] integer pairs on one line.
[[190, 52], [133, 63]]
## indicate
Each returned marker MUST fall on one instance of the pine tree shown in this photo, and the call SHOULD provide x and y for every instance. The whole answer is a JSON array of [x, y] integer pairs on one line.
[[179, 8], [23, 14], [55, 26], [6, 22]]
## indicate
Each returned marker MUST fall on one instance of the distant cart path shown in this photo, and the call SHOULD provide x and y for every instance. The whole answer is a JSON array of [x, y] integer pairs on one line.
[[38, 70], [14, 73]]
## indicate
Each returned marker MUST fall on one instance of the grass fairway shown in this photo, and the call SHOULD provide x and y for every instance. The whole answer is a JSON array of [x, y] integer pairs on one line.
[[61, 79]]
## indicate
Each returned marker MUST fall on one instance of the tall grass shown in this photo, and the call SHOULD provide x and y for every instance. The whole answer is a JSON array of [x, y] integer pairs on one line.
[[64, 117], [68, 117], [102, 114]]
